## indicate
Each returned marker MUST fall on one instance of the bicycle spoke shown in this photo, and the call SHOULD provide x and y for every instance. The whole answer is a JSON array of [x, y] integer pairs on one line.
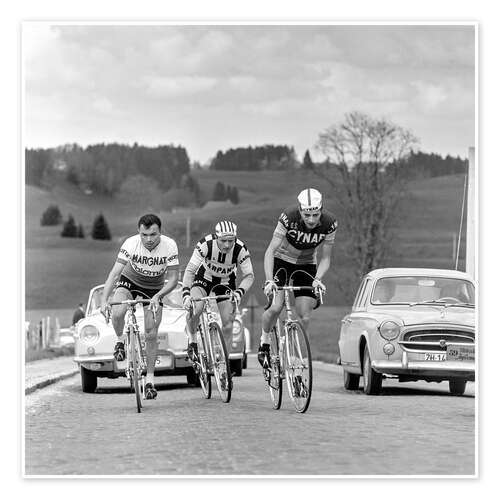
[[275, 381], [220, 361], [298, 366], [203, 367]]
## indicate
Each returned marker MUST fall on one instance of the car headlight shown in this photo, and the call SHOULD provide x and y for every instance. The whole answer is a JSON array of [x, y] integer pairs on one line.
[[389, 330], [236, 328], [89, 334]]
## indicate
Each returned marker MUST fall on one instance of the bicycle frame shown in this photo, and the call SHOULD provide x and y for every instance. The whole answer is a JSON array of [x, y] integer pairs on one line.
[[209, 317], [132, 328], [289, 346]]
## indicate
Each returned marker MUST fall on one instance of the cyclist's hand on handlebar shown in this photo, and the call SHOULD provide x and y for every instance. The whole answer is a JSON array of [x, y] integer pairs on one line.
[[269, 287], [187, 302], [154, 303], [238, 295], [105, 310], [318, 286]]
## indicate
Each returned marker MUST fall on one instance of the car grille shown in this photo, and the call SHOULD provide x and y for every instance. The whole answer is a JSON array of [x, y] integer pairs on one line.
[[435, 340]]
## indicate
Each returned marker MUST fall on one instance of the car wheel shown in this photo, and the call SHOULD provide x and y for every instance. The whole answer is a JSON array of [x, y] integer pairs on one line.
[[351, 381], [89, 380], [192, 378], [237, 367], [457, 386], [372, 381]]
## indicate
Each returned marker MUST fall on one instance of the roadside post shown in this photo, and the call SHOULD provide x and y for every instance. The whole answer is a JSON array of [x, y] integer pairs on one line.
[[252, 304]]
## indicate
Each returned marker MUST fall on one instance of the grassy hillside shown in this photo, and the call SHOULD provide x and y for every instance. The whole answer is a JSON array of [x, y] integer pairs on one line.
[[60, 271]]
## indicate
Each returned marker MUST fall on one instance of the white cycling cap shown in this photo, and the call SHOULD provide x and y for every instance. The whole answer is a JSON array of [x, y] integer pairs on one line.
[[225, 228], [310, 199]]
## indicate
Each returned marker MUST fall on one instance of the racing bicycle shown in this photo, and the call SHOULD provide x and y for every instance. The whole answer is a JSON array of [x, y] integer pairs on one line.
[[136, 360], [290, 355], [213, 357]]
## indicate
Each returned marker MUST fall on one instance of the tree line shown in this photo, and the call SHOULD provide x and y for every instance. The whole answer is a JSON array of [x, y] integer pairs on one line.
[[268, 157], [103, 168]]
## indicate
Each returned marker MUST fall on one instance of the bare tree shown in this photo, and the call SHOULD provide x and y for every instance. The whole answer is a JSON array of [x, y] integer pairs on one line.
[[362, 157]]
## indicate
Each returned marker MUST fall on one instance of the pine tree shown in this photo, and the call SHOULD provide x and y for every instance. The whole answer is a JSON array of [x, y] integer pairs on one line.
[[219, 192], [69, 229], [236, 197], [100, 229], [51, 217], [307, 163]]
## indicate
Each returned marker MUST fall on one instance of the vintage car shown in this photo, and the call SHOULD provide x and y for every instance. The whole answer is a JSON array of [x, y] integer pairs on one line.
[[95, 341], [411, 324]]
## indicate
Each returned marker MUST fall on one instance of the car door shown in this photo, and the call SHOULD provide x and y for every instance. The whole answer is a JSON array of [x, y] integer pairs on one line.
[[358, 322], [348, 340]]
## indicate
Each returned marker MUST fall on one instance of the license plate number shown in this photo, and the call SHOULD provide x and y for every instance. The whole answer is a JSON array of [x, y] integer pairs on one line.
[[431, 356], [165, 361], [460, 353]]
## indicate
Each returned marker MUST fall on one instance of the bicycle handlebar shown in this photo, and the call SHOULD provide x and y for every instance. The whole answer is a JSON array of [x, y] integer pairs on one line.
[[317, 291], [130, 303]]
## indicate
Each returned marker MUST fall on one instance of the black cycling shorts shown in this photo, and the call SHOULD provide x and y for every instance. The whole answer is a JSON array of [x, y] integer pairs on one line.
[[211, 285], [282, 271], [135, 289]]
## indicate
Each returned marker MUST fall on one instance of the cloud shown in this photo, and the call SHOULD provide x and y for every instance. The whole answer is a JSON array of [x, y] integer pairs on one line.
[[159, 86], [102, 104]]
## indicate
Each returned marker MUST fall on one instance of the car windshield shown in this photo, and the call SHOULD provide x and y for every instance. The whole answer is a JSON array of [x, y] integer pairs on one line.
[[422, 289], [173, 299]]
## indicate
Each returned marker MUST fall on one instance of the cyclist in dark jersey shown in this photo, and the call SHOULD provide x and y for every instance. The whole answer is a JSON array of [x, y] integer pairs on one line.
[[300, 231]]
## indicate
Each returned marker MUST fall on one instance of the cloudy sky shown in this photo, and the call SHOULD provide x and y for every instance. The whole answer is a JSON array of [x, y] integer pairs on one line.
[[210, 88]]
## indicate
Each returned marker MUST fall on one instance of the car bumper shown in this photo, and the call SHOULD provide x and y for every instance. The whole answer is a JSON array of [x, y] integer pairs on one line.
[[168, 361], [444, 369]]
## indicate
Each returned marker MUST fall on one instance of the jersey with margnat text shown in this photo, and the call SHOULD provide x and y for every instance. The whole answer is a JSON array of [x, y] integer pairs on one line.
[[299, 245], [144, 267]]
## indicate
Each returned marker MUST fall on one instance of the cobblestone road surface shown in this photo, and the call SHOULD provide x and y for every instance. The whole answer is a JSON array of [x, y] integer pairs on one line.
[[411, 429]]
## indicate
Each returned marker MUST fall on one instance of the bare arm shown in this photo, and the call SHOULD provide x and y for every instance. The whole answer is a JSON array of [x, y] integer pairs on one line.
[[269, 255], [171, 278], [324, 263], [111, 281], [247, 275]]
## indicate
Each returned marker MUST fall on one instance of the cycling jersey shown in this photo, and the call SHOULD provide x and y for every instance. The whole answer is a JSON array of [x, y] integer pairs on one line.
[[147, 268], [299, 246], [209, 263]]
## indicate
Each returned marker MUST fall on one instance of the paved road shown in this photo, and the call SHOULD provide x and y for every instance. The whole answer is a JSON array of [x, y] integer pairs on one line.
[[413, 428]]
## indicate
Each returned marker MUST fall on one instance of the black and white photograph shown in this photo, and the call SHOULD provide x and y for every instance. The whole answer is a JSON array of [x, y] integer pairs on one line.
[[250, 249]]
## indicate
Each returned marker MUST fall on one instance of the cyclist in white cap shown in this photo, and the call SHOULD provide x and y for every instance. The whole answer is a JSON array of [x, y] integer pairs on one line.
[[301, 229], [215, 261]]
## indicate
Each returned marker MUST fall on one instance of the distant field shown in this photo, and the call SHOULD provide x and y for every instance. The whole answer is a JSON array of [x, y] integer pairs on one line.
[[60, 271]]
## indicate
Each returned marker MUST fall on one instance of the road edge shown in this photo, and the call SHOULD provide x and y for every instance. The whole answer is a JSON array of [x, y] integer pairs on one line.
[[48, 381]]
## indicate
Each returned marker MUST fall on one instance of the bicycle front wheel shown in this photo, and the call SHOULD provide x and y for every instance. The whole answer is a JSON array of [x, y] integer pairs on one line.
[[298, 367], [275, 381], [135, 368], [203, 368], [220, 362]]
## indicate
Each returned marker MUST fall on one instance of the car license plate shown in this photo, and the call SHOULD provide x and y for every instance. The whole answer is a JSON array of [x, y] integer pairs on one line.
[[460, 352], [165, 361], [433, 356]]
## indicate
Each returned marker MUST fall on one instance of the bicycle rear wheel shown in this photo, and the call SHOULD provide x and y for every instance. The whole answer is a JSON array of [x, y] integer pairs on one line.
[[275, 381], [135, 368], [298, 366], [220, 360], [203, 368]]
